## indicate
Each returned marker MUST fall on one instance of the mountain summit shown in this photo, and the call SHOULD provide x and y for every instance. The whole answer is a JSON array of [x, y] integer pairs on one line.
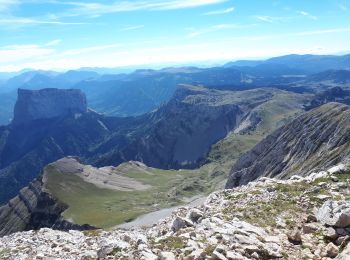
[[48, 103]]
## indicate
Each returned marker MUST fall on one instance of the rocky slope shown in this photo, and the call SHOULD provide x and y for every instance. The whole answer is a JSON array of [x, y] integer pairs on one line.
[[319, 138], [336, 94], [266, 219]]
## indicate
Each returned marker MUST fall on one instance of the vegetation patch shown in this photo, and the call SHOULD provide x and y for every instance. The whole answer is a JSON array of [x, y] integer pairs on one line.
[[105, 208], [171, 243]]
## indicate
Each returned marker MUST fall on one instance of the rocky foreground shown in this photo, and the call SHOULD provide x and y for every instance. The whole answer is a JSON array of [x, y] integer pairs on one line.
[[300, 218]]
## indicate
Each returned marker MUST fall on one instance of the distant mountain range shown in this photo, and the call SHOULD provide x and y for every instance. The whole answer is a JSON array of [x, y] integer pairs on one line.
[[142, 91], [188, 126], [306, 63]]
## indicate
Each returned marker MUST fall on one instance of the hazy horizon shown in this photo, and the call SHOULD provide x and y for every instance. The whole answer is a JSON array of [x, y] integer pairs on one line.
[[160, 66]]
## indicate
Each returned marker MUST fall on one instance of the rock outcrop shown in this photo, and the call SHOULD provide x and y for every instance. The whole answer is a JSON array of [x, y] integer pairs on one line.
[[314, 141], [34, 208], [334, 214], [48, 103]]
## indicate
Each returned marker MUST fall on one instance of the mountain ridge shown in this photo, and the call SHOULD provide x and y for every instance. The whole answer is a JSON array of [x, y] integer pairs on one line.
[[319, 137]]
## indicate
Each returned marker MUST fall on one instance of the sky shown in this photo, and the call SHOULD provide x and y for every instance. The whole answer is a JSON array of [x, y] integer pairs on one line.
[[69, 34]]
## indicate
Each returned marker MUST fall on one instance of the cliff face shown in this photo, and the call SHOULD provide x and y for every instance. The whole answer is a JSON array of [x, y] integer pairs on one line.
[[313, 141], [48, 103], [33, 208], [24, 151], [180, 133]]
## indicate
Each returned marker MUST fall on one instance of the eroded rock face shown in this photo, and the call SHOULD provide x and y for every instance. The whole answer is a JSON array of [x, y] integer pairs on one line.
[[48, 103], [34, 208], [313, 141]]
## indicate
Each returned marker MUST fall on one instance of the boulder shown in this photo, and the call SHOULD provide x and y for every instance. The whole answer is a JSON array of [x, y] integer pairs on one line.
[[311, 218], [341, 231], [332, 250], [218, 256], [167, 256], [221, 249], [337, 169], [295, 237], [194, 215], [331, 233], [234, 256], [198, 254], [334, 213], [104, 251], [309, 228], [148, 256], [342, 241], [180, 223]]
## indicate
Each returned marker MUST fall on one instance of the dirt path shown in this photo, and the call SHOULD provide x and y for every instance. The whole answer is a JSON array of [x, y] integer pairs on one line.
[[152, 218]]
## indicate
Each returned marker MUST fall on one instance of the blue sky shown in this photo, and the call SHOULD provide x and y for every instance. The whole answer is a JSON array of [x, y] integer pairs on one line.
[[68, 34]]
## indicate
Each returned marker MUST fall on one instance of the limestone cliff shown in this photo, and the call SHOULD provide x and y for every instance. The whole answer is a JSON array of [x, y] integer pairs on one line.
[[180, 133], [48, 103], [315, 140], [33, 208]]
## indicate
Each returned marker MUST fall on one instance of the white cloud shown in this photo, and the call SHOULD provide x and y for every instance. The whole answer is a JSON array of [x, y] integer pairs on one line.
[[89, 50], [22, 21], [5, 5], [95, 9], [180, 4], [268, 19], [53, 42], [180, 54], [326, 31], [132, 27], [15, 53], [113, 55], [308, 15], [218, 12], [272, 19], [21, 53]]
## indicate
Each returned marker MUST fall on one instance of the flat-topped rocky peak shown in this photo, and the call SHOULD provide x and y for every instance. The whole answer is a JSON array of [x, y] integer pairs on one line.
[[48, 103]]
